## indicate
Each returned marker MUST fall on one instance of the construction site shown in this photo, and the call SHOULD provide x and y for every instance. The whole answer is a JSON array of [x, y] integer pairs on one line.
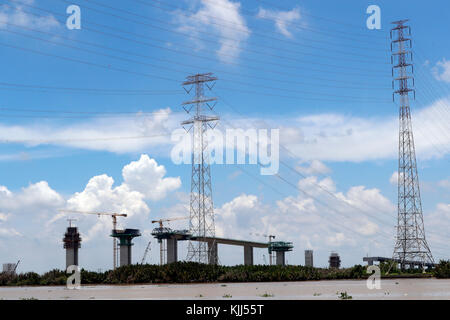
[[411, 248], [312, 199]]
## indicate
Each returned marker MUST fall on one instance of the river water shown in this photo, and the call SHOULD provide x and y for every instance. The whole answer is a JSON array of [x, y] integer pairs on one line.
[[309, 290]]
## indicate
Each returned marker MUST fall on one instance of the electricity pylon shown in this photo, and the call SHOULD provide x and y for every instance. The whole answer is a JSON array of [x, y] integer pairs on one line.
[[411, 245], [201, 221]]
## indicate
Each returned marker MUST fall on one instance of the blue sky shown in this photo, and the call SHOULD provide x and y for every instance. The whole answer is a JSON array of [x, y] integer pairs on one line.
[[84, 113]]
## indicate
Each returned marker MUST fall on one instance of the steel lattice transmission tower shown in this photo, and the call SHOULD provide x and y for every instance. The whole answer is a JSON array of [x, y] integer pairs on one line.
[[411, 245], [201, 222]]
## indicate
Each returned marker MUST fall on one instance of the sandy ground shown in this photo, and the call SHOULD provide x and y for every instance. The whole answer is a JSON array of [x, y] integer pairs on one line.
[[390, 289]]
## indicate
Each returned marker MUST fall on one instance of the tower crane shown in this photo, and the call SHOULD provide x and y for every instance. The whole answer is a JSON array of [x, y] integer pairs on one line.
[[270, 237], [114, 221], [160, 221], [161, 229]]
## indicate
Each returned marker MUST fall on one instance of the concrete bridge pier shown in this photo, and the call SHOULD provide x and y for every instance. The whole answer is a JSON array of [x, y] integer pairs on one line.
[[213, 252], [172, 250], [248, 255], [280, 258]]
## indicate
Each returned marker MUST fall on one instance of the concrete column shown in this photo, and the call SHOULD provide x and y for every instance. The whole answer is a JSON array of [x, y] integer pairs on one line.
[[172, 250], [248, 255], [71, 256], [125, 255], [280, 258], [213, 253]]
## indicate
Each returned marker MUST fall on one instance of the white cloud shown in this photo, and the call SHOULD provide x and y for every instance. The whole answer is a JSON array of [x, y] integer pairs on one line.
[[337, 240], [315, 167], [147, 177], [334, 137], [282, 19], [143, 180], [15, 15], [3, 217], [223, 19], [353, 222], [441, 70], [36, 198], [322, 137], [115, 134], [32, 212], [394, 179], [4, 232]]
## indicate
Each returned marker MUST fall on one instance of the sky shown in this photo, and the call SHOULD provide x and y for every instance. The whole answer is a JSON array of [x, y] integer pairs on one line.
[[86, 117]]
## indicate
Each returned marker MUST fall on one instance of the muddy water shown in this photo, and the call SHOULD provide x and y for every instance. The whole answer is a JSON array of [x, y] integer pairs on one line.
[[390, 289]]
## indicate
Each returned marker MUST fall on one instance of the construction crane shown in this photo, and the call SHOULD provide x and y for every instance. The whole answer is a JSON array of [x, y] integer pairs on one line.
[[15, 268], [145, 252], [270, 237], [161, 242], [160, 221], [114, 221]]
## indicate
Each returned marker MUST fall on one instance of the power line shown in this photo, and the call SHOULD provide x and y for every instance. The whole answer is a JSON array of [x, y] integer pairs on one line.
[[10, 85], [200, 56], [314, 30], [231, 25], [225, 44], [62, 140], [184, 64], [353, 99], [323, 18], [225, 54]]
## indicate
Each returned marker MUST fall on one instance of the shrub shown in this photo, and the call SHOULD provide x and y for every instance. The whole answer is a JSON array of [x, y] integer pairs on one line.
[[442, 270]]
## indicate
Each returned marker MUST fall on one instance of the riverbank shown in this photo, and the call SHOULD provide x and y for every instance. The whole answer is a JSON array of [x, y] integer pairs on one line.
[[190, 272]]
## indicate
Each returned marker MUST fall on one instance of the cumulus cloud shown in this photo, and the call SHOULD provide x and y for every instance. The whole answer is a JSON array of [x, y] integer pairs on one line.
[[223, 19], [147, 177], [29, 206], [394, 178], [314, 220], [315, 167], [32, 212], [14, 14], [36, 198], [441, 70], [144, 180], [282, 19]]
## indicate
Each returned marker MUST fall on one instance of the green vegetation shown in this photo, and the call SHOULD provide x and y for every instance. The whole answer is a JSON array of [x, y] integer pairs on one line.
[[442, 270], [345, 296], [267, 295], [191, 272], [227, 296]]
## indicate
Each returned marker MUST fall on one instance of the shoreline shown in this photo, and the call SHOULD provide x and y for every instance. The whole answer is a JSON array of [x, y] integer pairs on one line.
[[405, 276]]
